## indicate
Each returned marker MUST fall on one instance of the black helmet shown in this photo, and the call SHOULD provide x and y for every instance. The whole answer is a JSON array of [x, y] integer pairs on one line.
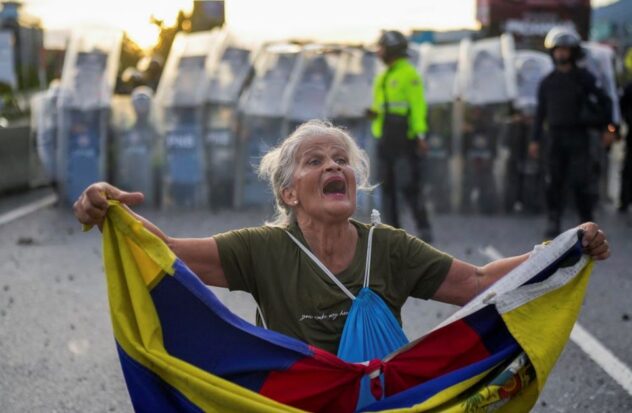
[[562, 36], [394, 44]]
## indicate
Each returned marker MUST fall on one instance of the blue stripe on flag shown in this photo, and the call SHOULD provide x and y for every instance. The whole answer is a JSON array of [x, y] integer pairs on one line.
[[490, 328], [424, 391], [200, 330], [148, 392], [570, 257]]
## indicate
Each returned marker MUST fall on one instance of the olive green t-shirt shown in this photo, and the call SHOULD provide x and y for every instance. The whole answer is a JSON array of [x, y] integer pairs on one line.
[[297, 299]]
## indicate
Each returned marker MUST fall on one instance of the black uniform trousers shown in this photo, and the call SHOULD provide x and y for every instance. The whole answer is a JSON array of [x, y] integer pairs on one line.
[[570, 166], [626, 174], [398, 155]]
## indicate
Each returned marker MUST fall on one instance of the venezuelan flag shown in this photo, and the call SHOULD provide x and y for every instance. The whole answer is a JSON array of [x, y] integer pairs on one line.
[[182, 350]]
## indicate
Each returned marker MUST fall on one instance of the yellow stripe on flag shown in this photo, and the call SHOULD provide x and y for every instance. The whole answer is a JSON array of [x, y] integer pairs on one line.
[[134, 258], [542, 328]]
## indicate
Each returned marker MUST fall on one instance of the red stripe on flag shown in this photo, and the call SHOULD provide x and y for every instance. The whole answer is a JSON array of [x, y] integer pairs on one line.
[[447, 349], [321, 383]]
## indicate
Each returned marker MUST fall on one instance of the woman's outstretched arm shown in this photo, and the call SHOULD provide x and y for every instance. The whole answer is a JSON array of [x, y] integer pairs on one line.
[[201, 255]]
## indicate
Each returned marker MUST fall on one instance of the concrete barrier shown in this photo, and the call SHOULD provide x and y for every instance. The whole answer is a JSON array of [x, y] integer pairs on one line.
[[15, 156]]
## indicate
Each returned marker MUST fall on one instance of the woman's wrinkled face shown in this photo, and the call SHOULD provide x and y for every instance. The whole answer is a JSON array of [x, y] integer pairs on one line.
[[323, 186]]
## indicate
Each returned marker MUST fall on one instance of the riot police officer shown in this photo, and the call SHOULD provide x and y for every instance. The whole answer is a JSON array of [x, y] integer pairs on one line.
[[626, 174], [562, 104], [399, 125]]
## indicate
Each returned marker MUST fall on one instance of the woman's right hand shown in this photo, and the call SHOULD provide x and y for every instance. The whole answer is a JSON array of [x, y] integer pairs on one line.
[[92, 205]]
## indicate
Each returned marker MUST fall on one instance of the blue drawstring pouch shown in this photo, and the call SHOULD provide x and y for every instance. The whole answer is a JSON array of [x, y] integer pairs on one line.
[[371, 332]]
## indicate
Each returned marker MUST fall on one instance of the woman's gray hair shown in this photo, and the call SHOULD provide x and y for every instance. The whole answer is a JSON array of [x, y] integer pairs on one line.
[[278, 165]]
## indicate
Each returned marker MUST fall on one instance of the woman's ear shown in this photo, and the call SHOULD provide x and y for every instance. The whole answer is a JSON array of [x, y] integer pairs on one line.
[[288, 195]]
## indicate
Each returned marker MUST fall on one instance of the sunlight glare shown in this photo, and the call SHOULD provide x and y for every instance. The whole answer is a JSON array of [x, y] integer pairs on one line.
[[324, 20], [129, 15]]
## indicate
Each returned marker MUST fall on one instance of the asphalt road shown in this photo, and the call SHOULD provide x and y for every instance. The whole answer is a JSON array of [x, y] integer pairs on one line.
[[57, 351]]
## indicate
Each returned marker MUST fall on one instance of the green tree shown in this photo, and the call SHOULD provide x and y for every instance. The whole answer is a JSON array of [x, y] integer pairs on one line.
[[168, 33], [131, 53]]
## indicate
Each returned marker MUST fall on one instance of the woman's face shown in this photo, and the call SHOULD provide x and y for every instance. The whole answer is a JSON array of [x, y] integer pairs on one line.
[[323, 183]]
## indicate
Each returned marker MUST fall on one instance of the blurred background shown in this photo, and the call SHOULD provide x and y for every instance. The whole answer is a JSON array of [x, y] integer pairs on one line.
[[179, 99]]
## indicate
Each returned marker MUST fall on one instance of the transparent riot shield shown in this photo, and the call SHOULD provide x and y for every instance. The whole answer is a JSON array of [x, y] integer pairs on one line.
[[46, 118], [229, 69], [524, 176], [85, 94], [530, 68], [261, 110], [180, 101], [438, 66], [8, 75], [486, 72], [488, 86], [348, 100], [599, 60], [313, 80], [136, 145]]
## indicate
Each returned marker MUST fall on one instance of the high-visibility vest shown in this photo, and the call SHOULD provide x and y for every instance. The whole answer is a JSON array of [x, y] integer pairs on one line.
[[400, 89]]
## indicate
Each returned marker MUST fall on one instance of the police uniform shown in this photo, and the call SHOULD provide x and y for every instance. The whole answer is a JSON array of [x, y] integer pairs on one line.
[[400, 108], [626, 173], [562, 98]]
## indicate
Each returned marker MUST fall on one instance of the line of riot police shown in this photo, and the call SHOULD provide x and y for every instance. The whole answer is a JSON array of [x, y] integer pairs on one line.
[[221, 103]]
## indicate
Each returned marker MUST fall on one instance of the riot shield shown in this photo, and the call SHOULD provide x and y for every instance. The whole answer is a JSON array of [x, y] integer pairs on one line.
[[180, 101], [311, 84], [136, 145], [488, 86], [438, 66], [45, 118], [229, 70], [599, 60], [85, 94], [261, 110], [350, 96], [524, 176]]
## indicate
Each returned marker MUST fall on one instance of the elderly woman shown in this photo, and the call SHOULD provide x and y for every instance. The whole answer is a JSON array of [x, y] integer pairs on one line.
[[315, 174]]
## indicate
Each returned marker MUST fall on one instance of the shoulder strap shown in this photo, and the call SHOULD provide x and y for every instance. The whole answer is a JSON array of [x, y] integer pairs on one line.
[[331, 276], [375, 220], [263, 320], [367, 265]]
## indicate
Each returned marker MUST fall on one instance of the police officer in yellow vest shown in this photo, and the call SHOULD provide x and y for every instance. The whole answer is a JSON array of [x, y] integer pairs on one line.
[[399, 125]]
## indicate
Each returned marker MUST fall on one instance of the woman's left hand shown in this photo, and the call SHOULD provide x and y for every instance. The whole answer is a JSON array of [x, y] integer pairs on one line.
[[594, 241]]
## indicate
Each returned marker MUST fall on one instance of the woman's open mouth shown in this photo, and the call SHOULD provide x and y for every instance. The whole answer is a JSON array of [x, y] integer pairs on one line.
[[336, 187]]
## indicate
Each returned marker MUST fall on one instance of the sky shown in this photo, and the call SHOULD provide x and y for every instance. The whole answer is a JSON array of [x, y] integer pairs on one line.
[[325, 20]]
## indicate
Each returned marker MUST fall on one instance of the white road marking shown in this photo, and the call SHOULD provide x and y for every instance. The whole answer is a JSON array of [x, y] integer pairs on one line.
[[603, 357], [491, 253], [27, 209], [599, 353]]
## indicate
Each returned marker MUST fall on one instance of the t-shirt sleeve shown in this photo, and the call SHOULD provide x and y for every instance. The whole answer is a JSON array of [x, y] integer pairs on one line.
[[422, 267], [235, 254]]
